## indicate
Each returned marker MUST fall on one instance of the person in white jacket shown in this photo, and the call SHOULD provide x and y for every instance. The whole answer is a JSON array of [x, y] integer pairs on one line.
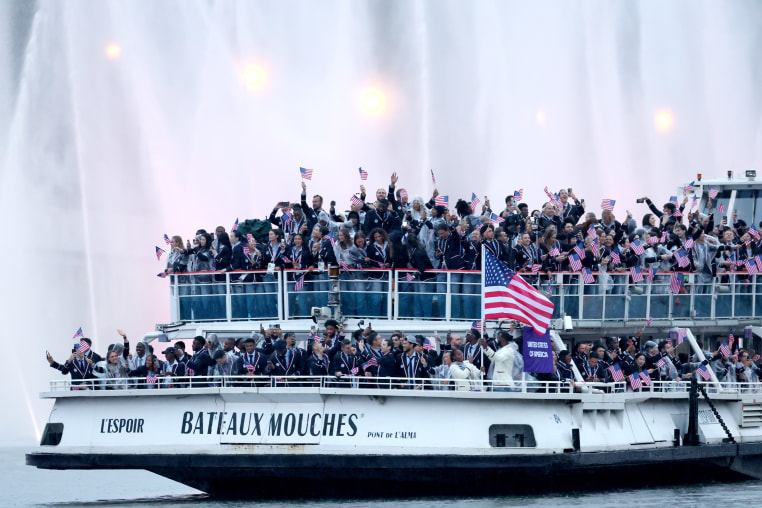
[[463, 373], [502, 359]]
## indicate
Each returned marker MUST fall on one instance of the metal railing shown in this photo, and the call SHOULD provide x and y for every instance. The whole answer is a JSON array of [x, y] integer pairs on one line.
[[455, 295], [657, 388]]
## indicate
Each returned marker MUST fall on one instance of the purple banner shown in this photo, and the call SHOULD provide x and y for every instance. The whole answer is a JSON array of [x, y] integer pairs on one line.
[[538, 352]]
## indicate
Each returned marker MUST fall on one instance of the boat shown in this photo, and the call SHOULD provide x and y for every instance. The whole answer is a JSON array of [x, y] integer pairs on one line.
[[264, 437]]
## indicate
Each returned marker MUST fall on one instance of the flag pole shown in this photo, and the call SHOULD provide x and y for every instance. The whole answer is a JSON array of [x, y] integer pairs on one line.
[[484, 324]]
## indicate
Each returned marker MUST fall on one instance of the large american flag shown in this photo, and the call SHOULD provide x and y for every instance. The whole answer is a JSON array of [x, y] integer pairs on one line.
[[508, 296], [636, 273], [574, 262], [682, 258], [159, 253], [703, 371], [608, 204], [306, 173], [676, 282], [495, 219], [474, 202], [363, 174], [442, 201], [616, 373]]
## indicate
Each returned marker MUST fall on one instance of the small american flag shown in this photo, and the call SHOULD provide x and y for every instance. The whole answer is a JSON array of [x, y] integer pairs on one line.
[[299, 285], [476, 325], [434, 180], [689, 243], [286, 218], [370, 363], [682, 258], [409, 277], [574, 262], [442, 201], [615, 256], [713, 193], [554, 252], [249, 237], [608, 204], [682, 334], [721, 208], [646, 378], [661, 363], [635, 381], [518, 195], [636, 273], [535, 267], [753, 232], [750, 265], [591, 232], [166, 239], [651, 274], [79, 333], [758, 261], [731, 340], [235, 226], [580, 249], [429, 344], [756, 358], [495, 219], [355, 200], [653, 240], [704, 373], [159, 252], [306, 173], [331, 239], [677, 213], [363, 174], [84, 347], [343, 264], [676, 282], [648, 323], [316, 337], [152, 378], [587, 276], [550, 195], [616, 373], [474, 201], [673, 199], [637, 247], [724, 349], [663, 237], [354, 371]]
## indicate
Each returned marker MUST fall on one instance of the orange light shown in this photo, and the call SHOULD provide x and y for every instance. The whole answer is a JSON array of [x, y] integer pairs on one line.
[[664, 120], [113, 51]]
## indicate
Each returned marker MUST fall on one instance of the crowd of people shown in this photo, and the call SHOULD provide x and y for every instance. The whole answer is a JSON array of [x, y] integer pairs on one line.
[[456, 362], [403, 232]]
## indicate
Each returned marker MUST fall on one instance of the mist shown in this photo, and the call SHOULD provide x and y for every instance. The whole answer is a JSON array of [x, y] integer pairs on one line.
[[122, 121]]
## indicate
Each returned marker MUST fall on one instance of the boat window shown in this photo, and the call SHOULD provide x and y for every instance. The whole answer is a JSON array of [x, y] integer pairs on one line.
[[511, 436], [745, 205], [52, 434]]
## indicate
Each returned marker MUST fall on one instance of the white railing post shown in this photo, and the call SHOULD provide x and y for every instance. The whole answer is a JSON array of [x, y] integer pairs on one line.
[[281, 276], [448, 298], [228, 299], [286, 300], [580, 292], [397, 298], [175, 306], [389, 281]]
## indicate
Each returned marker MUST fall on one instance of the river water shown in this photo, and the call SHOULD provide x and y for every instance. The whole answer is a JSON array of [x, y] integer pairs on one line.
[[22, 485]]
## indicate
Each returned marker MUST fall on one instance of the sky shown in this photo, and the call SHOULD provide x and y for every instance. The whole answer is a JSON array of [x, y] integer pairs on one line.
[[123, 121]]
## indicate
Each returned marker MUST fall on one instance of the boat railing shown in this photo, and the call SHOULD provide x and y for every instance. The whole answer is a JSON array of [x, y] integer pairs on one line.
[[455, 295], [113, 386]]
